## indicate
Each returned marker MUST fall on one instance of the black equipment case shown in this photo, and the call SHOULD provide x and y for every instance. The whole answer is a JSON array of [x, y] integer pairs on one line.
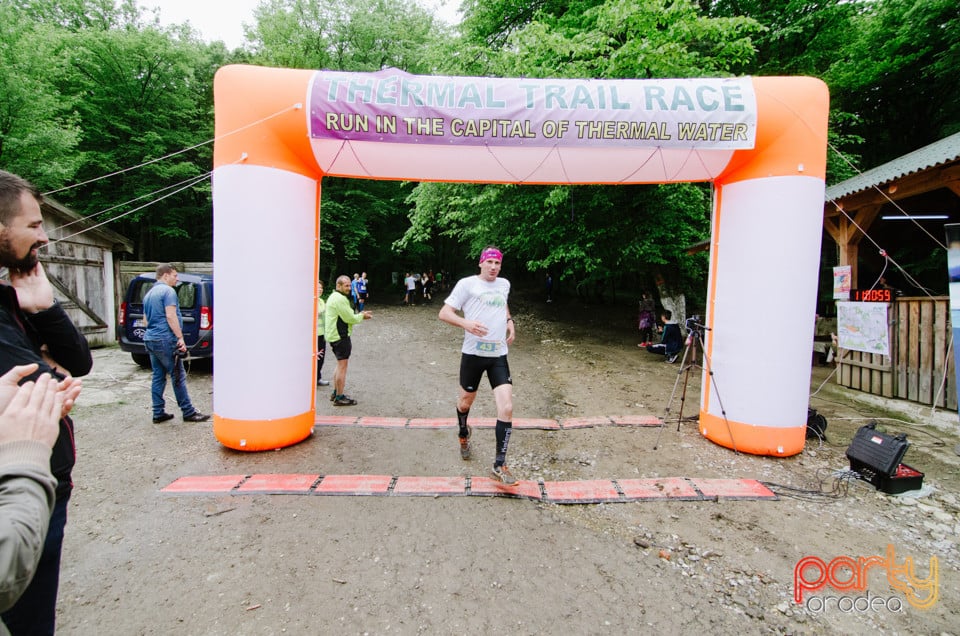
[[877, 457]]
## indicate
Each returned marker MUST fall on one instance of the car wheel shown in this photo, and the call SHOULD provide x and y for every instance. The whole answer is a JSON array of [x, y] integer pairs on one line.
[[142, 359]]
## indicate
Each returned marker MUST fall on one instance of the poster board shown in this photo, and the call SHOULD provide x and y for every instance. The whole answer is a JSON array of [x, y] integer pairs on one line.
[[863, 327]]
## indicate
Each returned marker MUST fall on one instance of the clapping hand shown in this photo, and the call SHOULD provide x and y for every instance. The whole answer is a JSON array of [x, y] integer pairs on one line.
[[30, 411]]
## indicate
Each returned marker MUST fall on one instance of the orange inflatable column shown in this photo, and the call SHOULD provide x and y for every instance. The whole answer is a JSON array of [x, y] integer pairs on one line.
[[266, 196], [764, 272]]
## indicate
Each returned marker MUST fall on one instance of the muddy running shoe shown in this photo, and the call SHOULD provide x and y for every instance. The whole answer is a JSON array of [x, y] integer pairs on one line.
[[333, 395], [465, 444], [502, 474], [344, 400]]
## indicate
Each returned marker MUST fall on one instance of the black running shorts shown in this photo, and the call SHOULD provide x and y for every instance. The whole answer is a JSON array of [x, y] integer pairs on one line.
[[342, 348], [472, 368]]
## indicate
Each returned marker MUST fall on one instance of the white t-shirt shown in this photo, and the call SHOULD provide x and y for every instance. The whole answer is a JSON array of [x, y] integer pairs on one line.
[[486, 302]]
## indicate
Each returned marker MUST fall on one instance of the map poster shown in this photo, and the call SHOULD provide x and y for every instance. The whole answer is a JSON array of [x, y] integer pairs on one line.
[[863, 327], [841, 282]]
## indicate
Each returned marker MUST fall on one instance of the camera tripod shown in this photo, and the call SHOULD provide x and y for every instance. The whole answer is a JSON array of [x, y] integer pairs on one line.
[[692, 347]]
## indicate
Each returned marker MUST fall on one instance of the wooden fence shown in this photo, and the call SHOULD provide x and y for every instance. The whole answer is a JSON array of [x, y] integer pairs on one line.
[[920, 365]]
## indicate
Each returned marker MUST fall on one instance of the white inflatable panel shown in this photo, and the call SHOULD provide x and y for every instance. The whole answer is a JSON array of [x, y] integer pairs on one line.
[[265, 253], [763, 282]]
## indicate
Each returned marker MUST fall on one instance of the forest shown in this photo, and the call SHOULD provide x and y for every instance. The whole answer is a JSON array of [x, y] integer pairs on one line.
[[111, 113]]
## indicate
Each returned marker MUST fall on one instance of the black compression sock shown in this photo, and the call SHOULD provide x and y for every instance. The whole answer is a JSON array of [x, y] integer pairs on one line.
[[462, 422], [503, 440]]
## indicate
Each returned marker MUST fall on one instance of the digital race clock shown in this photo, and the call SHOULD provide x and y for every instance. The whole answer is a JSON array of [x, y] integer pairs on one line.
[[871, 295]]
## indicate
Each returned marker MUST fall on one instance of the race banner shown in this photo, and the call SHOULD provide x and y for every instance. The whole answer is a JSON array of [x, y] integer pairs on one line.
[[393, 106]]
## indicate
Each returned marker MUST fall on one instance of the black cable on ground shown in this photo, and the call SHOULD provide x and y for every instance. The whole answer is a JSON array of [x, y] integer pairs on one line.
[[839, 490]]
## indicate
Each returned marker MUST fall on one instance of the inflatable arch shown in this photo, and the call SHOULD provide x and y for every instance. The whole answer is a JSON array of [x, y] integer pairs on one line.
[[761, 141]]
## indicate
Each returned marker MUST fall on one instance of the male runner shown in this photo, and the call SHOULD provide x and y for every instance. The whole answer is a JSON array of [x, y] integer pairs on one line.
[[488, 330]]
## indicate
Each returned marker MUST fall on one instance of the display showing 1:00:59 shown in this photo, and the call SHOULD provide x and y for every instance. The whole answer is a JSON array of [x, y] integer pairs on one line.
[[871, 295]]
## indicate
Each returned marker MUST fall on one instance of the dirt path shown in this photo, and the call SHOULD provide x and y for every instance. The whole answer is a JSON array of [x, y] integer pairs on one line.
[[140, 562]]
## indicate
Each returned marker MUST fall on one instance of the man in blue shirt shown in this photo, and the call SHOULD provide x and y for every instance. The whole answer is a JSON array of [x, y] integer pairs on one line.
[[354, 297], [164, 340], [361, 288]]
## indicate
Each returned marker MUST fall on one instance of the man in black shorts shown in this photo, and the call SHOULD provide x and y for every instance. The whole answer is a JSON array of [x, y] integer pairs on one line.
[[340, 318], [488, 330]]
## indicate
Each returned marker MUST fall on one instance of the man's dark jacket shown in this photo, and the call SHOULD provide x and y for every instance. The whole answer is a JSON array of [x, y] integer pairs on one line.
[[672, 338], [21, 338]]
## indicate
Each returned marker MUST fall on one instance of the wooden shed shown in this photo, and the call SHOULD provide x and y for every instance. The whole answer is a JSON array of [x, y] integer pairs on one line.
[[82, 263], [906, 201]]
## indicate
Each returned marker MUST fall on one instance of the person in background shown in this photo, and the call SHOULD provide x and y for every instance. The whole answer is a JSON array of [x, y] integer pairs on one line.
[[549, 287], [354, 298], [645, 320], [883, 283], [35, 329], [671, 340], [488, 330], [164, 341], [425, 285], [410, 286], [362, 292], [321, 339]]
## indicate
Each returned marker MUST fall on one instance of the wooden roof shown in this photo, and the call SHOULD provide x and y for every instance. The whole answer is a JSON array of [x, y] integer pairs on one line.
[[923, 181], [78, 223], [924, 161]]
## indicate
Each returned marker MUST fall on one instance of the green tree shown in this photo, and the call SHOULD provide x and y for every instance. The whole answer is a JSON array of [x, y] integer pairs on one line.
[[606, 39], [108, 90], [599, 236], [803, 37], [359, 220], [75, 16], [39, 131], [897, 72], [363, 35], [799, 37], [143, 101]]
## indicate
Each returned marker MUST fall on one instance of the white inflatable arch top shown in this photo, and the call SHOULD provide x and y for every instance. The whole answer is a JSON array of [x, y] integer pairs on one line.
[[760, 141]]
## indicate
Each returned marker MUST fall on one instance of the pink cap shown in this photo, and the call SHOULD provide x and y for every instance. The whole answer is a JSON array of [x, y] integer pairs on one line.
[[491, 253]]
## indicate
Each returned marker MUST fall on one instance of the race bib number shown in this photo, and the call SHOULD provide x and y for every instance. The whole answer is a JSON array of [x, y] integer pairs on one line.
[[487, 348]]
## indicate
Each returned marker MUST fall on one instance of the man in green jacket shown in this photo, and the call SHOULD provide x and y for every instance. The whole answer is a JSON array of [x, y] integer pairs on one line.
[[340, 319]]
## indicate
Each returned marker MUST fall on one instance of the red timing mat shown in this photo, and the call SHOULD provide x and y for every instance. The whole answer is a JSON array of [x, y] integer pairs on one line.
[[561, 492]]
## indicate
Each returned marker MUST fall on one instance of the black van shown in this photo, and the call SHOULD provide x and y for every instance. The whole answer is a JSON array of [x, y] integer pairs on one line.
[[195, 292]]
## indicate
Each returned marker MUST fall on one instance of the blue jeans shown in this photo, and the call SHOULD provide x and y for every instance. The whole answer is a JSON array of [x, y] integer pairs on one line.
[[164, 363], [35, 612]]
